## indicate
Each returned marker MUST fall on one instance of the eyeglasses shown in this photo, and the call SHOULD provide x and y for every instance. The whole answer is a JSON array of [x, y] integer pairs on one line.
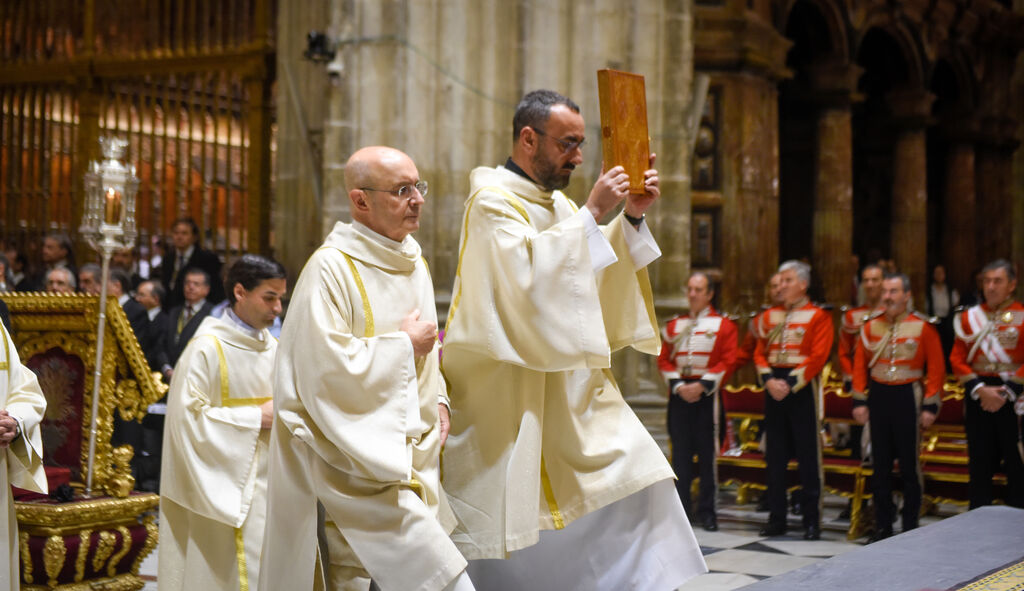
[[405, 191], [567, 145]]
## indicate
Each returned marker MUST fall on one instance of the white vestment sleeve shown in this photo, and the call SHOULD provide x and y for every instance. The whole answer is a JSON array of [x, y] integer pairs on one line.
[[25, 402], [601, 253], [643, 249]]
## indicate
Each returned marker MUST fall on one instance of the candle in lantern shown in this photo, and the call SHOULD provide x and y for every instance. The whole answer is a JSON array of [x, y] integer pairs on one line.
[[112, 212]]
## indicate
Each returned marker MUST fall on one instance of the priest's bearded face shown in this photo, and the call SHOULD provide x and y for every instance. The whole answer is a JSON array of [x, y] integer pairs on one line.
[[552, 164], [391, 214]]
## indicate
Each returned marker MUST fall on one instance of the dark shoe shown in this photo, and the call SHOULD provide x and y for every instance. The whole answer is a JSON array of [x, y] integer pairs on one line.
[[845, 513], [709, 523], [813, 532], [880, 535], [770, 530], [762, 503]]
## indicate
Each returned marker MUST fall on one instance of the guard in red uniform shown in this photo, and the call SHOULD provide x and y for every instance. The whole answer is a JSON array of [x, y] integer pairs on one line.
[[696, 352], [854, 318], [897, 378], [795, 343], [988, 358]]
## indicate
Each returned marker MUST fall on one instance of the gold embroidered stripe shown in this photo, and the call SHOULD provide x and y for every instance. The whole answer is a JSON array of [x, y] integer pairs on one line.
[[549, 494], [233, 402], [243, 573], [367, 311], [222, 362]]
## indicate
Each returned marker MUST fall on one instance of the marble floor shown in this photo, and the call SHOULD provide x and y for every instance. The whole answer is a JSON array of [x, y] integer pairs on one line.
[[735, 554]]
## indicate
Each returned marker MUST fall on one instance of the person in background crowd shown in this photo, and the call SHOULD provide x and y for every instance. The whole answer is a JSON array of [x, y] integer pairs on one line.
[[942, 301], [89, 279], [696, 352], [796, 343], [988, 358], [897, 378], [60, 280]]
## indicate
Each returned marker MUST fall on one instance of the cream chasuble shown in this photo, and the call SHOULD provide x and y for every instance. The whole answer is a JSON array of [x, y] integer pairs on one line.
[[540, 432], [213, 478], [21, 463], [356, 421]]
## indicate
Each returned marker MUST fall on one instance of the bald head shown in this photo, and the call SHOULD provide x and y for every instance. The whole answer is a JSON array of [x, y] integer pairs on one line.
[[368, 165], [374, 177]]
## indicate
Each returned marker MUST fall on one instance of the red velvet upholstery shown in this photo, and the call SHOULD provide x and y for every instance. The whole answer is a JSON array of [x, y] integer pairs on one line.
[[62, 379]]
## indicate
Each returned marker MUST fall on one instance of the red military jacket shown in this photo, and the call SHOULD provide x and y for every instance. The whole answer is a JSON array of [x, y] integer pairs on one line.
[[901, 352], [799, 338], [988, 343], [702, 348], [849, 332]]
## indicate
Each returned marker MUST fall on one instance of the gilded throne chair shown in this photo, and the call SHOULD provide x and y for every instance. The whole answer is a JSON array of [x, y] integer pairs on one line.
[[67, 540]]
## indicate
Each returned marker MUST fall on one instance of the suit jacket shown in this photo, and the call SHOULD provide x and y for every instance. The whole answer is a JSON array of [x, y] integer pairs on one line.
[[201, 259], [154, 341], [175, 341], [137, 317]]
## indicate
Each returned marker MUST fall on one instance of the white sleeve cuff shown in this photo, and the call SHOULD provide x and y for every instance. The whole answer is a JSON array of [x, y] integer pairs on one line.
[[601, 252], [643, 249]]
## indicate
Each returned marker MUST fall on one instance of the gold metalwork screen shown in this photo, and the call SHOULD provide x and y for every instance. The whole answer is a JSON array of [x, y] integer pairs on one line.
[[186, 82]]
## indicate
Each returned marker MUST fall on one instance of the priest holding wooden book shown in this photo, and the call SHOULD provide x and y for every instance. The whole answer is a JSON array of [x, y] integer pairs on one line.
[[541, 438]]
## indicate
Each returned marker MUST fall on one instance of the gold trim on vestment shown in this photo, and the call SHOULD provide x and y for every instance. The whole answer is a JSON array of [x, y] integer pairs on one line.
[[367, 311], [5, 365], [549, 494], [225, 382], [243, 573]]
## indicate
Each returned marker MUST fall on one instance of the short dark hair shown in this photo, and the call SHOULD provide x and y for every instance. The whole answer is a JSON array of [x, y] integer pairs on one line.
[[872, 266], [121, 277], [92, 269], [1010, 268], [903, 277], [198, 271], [535, 108], [250, 271], [188, 221], [707, 279]]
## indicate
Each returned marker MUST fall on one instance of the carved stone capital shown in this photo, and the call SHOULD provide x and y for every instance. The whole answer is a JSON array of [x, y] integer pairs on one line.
[[911, 107], [727, 40]]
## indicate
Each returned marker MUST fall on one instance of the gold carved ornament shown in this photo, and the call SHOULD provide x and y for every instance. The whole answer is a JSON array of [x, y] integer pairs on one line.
[[54, 554], [26, 557], [126, 545], [104, 549], [152, 536], [83, 549]]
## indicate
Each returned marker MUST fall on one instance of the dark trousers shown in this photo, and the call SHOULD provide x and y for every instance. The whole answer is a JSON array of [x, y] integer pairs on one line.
[[991, 437], [691, 428], [894, 435], [791, 429]]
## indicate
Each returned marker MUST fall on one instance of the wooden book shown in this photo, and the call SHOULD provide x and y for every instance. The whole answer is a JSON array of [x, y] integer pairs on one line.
[[624, 136]]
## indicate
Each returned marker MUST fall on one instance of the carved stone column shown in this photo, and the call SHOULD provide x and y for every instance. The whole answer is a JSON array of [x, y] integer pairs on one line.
[[745, 57], [833, 88], [911, 109], [958, 231], [994, 166]]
